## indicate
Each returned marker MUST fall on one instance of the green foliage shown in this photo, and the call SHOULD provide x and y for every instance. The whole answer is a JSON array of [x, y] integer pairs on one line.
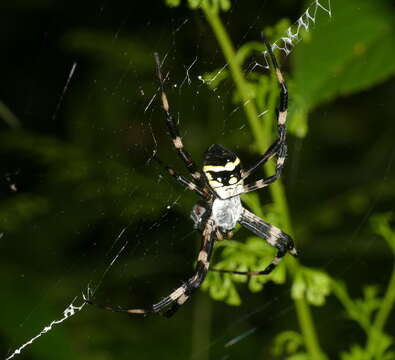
[[223, 5], [88, 172], [381, 226], [288, 345], [327, 64], [311, 284], [173, 3], [372, 310], [314, 79], [382, 352], [360, 310], [260, 87], [324, 68], [253, 255], [345, 54]]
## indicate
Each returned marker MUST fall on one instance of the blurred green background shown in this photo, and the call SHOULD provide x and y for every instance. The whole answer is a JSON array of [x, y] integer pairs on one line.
[[79, 125]]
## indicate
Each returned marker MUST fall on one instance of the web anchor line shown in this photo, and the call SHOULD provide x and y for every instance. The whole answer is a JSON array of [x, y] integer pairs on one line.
[[70, 311]]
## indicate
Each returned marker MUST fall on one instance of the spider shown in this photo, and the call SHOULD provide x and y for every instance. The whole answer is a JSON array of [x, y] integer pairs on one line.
[[220, 183]]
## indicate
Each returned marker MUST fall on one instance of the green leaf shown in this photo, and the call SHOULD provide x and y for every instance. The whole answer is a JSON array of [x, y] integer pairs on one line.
[[225, 4], [215, 5], [233, 298], [348, 53], [299, 356], [214, 78], [314, 285], [355, 353], [287, 343], [217, 288], [173, 3], [380, 224], [298, 121], [254, 254], [221, 288], [381, 347], [381, 351], [362, 309]]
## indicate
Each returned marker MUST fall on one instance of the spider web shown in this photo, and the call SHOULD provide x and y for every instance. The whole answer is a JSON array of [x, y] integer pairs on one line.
[[308, 18], [191, 80], [285, 44]]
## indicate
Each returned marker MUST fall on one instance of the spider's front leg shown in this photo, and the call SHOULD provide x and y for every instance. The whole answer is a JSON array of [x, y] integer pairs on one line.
[[173, 130], [183, 181], [279, 147]]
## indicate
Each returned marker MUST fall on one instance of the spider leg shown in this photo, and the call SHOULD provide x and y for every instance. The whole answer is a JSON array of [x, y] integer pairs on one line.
[[273, 235], [179, 296], [272, 151], [173, 130], [279, 147], [183, 181], [190, 185], [201, 270]]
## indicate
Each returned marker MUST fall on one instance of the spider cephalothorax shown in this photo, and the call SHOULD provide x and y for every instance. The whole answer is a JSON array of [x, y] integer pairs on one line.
[[222, 169], [220, 182]]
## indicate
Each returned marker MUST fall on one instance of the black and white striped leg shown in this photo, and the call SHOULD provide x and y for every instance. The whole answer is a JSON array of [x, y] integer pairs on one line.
[[183, 181], [282, 154], [190, 185], [272, 151], [280, 254], [279, 147], [201, 270], [171, 303], [273, 235], [173, 130], [283, 103]]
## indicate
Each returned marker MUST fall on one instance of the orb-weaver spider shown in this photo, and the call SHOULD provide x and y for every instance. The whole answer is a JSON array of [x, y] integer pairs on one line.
[[220, 183]]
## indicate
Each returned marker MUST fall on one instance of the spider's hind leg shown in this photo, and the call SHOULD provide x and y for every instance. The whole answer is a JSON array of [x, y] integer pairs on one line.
[[171, 303]]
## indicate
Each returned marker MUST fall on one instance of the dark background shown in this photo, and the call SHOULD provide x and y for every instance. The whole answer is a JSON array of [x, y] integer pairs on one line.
[[75, 171]]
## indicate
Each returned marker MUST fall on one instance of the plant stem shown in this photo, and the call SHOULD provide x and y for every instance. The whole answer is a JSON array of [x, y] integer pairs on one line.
[[201, 327], [387, 304], [382, 316], [277, 190]]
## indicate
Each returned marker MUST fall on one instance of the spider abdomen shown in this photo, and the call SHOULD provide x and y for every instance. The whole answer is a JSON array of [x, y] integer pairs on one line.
[[226, 213]]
